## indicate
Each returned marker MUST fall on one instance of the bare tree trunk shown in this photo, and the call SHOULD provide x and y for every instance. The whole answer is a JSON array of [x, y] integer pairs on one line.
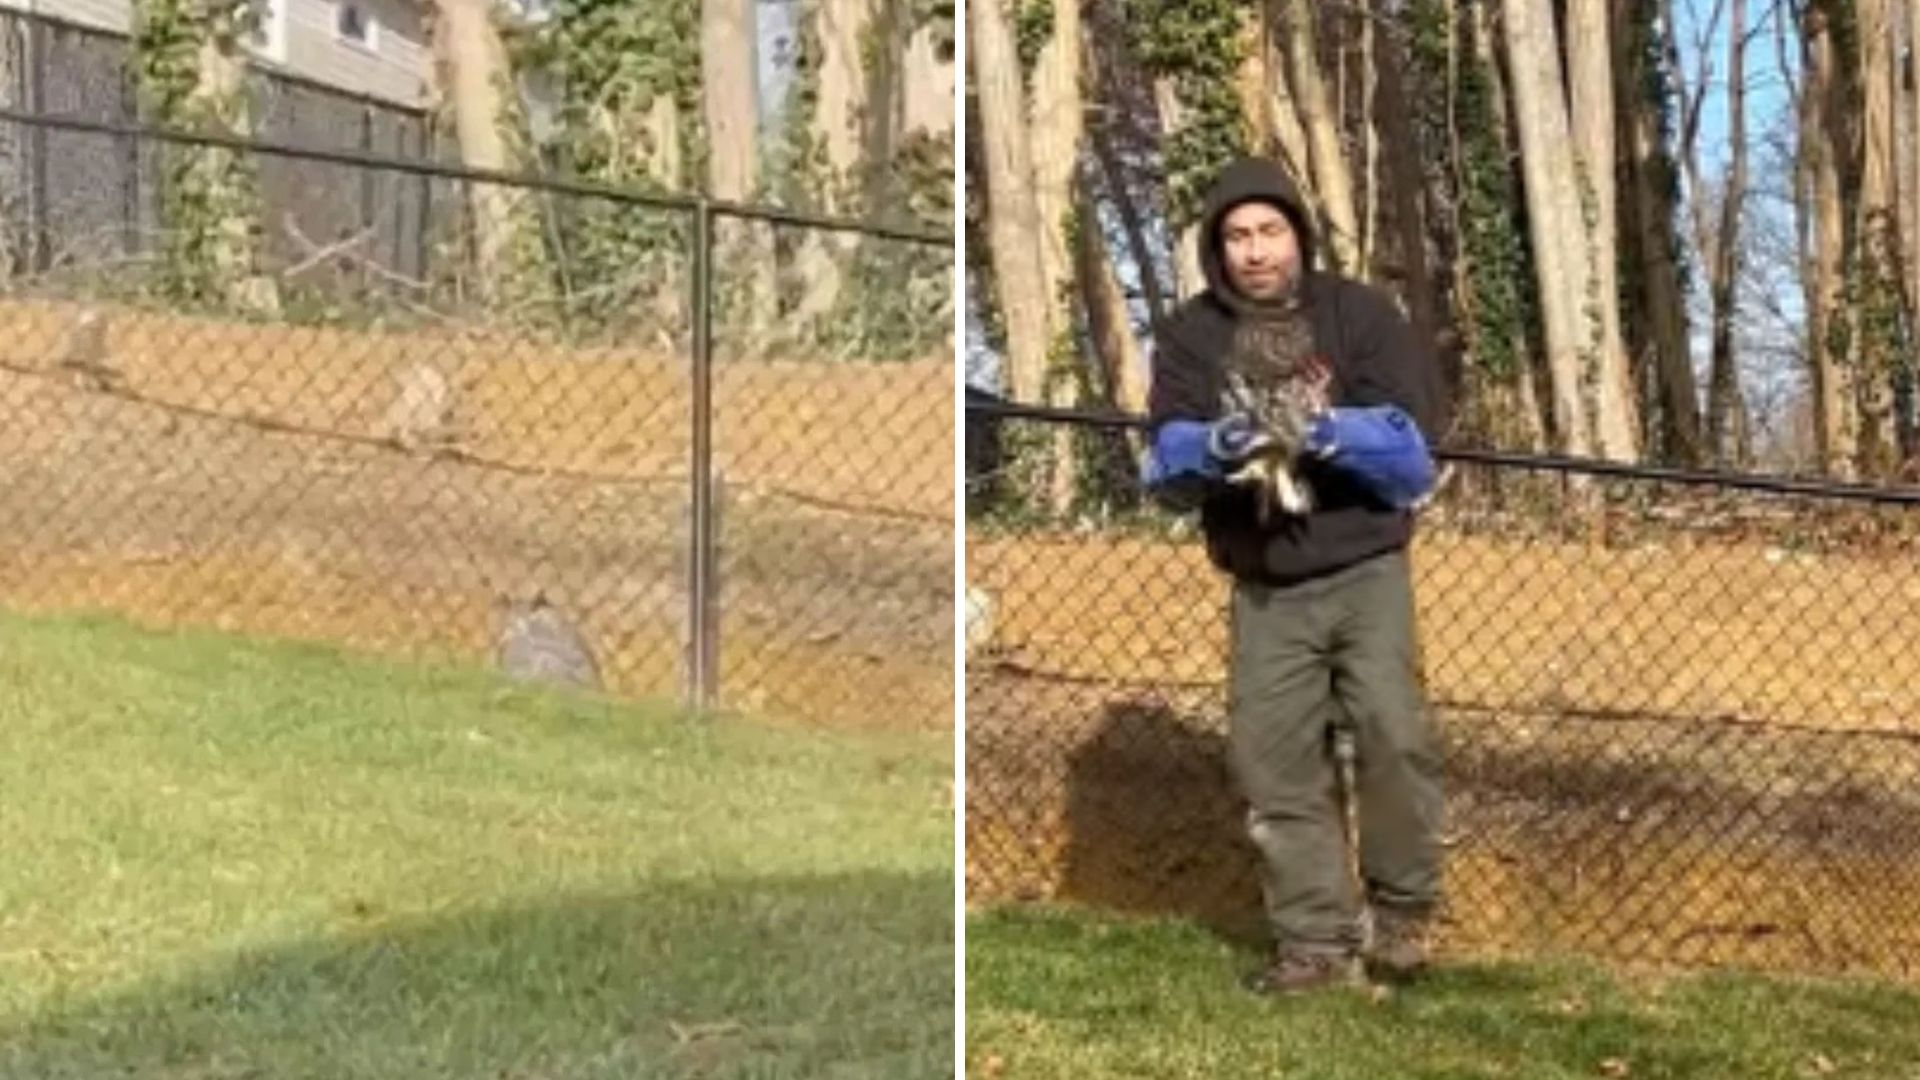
[[665, 165], [727, 32], [1801, 92], [1589, 71], [1283, 112], [1132, 224], [13, 160], [1333, 181], [1663, 305], [840, 107], [1014, 217], [223, 78], [1560, 265], [1517, 405], [1252, 82], [842, 98], [1108, 322], [928, 85], [1056, 120], [1369, 145], [1727, 425], [1188, 281], [1057, 125], [1907, 92], [1403, 181], [1724, 405], [1836, 427], [474, 73], [1912, 85], [885, 52], [728, 35], [1879, 246]]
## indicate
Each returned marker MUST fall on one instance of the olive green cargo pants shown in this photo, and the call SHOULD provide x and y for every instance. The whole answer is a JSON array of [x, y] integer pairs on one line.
[[1307, 657]]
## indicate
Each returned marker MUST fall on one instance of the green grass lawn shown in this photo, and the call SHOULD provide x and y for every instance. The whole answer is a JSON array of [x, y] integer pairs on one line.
[[227, 859], [1058, 994]]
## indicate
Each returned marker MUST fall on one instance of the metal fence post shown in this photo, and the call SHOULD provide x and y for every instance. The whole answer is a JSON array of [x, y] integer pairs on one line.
[[130, 109], [369, 196], [429, 146], [40, 243], [701, 676]]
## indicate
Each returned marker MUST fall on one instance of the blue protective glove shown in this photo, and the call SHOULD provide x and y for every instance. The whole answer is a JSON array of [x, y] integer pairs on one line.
[[1380, 446], [1232, 439], [1189, 458]]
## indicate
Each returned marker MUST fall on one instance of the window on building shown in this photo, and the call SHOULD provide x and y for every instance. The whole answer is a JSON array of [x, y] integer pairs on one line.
[[533, 11], [355, 24], [268, 36]]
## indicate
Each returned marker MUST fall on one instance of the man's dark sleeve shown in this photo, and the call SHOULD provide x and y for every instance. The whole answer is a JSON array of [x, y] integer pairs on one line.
[[1390, 364], [1180, 471], [1176, 388]]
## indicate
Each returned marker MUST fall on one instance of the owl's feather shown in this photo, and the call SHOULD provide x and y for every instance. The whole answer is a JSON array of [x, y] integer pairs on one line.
[[1273, 376]]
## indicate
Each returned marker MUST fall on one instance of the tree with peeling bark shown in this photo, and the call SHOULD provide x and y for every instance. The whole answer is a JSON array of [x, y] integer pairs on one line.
[[1590, 78], [1908, 68], [1109, 324], [1033, 142], [1056, 109], [472, 76], [1823, 147], [15, 216], [744, 255], [1402, 173], [1879, 320], [1333, 186], [1658, 307], [1116, 140], [1103, 182], [1013, 213], [840, 106], [1560, 253]]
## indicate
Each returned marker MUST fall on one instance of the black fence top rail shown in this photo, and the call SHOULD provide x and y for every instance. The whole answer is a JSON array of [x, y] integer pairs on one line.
[[560, 185], [1757, 482]]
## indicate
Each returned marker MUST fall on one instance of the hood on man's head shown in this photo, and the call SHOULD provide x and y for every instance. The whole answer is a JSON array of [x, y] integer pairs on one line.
[[1247, 180]]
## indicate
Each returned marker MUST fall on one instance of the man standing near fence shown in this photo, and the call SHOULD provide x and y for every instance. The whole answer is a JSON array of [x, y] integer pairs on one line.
[[1322, 613]]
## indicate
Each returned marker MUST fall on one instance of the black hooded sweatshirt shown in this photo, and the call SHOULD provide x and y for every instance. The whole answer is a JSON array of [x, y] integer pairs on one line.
[[1376, 360]]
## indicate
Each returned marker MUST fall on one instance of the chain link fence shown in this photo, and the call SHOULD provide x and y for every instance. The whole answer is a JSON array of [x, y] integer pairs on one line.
[[1680, 713], [594, 398]]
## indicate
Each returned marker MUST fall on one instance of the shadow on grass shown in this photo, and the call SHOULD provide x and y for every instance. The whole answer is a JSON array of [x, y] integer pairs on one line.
[[848, 975]]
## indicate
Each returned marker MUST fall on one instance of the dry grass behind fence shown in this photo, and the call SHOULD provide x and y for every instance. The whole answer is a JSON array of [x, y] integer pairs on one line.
[[384, 489]]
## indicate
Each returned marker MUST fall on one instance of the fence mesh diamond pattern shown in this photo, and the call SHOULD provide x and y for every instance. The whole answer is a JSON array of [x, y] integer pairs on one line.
[[428, 398], [1681, 721]]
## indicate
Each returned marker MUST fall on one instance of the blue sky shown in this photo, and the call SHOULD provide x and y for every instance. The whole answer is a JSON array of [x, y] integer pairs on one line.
[[1766, 89], [1769, 378]]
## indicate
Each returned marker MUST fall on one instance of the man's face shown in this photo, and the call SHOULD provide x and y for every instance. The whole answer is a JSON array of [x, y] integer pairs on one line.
[[1260, 249]]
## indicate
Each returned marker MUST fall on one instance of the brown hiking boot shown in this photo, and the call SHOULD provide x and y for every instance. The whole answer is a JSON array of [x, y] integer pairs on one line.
[[1298, 971], [1398, 951]]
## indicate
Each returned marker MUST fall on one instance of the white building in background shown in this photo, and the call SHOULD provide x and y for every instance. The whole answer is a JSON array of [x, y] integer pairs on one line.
[[374, 48]]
